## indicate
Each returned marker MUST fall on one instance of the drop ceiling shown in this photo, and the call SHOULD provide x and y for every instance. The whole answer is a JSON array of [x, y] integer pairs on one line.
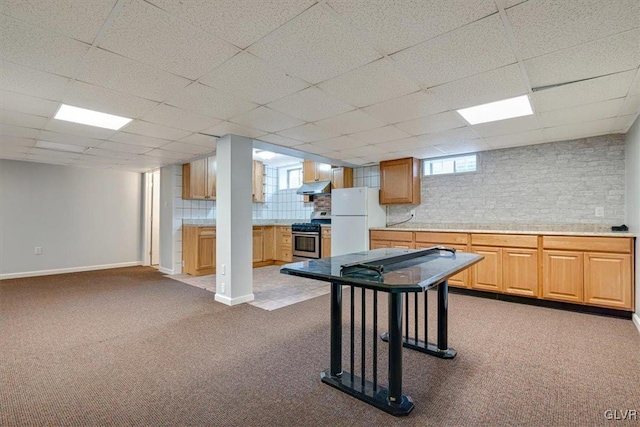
[[356, 81]]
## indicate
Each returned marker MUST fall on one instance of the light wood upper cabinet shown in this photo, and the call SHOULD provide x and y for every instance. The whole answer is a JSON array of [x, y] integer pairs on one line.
[[199, 179], [487, 274], [400, 181], [607, 279], [315, 171], [341, 178], [520, 271], [258, 182], [563, 278]]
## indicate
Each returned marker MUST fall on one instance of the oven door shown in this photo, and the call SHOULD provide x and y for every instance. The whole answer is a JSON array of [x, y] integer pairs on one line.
[[306, 244]]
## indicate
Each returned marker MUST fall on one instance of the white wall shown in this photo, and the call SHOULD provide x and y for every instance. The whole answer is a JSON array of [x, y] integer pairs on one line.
[[82, 218], [632, 149]]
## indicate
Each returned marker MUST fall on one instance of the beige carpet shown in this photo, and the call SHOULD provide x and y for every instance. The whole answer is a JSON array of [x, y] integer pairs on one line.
[[130, 347], [271, 289]]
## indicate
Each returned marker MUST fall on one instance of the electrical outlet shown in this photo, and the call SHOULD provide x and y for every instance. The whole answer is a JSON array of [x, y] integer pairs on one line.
[[599, 211], [183, 263], [223, 288], [38, 250], [224, 270], [412, 212]]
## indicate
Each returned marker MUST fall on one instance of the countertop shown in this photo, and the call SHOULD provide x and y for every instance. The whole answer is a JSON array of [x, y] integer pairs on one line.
[[550, 230], [256, 222]]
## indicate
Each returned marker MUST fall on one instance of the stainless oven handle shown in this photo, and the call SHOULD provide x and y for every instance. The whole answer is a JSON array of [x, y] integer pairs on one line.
[[307, 233]]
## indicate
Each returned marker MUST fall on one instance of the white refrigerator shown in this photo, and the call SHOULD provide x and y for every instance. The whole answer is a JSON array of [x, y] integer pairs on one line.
[[353, 212]]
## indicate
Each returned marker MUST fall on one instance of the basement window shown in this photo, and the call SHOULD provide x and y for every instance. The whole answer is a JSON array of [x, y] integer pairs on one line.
[[290, 178], [448, 165]]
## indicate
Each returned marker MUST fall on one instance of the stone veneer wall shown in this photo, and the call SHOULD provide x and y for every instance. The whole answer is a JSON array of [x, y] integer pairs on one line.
[[553, 183]]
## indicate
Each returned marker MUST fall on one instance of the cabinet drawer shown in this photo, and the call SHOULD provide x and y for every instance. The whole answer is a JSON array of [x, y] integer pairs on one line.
[[402, 236], [286, 240], [206, 232], [505, 240], [441, 238], [326, 231], [593, 244]]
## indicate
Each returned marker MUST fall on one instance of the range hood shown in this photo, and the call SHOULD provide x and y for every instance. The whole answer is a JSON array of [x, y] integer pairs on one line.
[[315, 188]]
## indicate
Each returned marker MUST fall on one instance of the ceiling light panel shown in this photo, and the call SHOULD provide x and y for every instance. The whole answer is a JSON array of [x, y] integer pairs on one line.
[[83, 116], [499, 110]]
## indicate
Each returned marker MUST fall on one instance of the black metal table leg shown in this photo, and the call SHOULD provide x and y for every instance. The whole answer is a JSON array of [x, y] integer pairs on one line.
[[336, 330], [395, 396]]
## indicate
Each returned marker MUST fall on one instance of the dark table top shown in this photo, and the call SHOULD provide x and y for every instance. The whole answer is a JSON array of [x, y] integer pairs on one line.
[[413, 275]]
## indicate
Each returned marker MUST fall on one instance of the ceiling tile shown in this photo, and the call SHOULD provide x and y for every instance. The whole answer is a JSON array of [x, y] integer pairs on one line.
[[16, 118], [383, 134], [578, 130], [397, 25], [181, 147], [97, 98], [27, 104], [266, 119], [178, 118], [166, 154], [224, 128], [402, 145], [623, 123], [365, 150], [200, 139], [132, 139], [9, 130], [585, 92], [126, 148], [494, 85], [504, 127], [116, 72], [407, 107], [434, 123], [253, 79], [312, 148], [535, 136], [61, 155], [340, 143], [471, 146], [210, 102], [315, 46], [91, 161], [631, 105], [100, 152], [606, 56], [39, 158], [356, 161], [78, 20], [67, 138], [449, 136], [310, 104], [239, 22], [156, 131], [506, 4], [16, 141], [147, 34], [65, 127], [421, 153], [309, 133], [16, 78], [472, 49], [351, 122], [382, 157], [280, 140], [582, 113], [375, 82], [542, 26], [38, 48], [12, 151]]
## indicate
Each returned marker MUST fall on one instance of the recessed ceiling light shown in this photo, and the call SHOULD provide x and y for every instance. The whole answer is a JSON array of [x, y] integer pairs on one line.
[[265, 155], [90, 117], [499, 110], [46, 145]]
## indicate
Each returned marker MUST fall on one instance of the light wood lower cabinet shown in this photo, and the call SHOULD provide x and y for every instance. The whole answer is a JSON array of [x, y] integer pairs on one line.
[[258, 244], [520, 271], [199, 250], [325, 243], [562, 276], [607, 279], [391, 239], [283, 249], [487, 274]]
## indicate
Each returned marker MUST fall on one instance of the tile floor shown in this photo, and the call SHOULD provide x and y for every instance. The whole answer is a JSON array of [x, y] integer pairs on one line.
[[271, 289]]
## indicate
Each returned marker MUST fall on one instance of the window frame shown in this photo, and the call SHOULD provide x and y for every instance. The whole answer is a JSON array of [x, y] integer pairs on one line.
[[427, 165]]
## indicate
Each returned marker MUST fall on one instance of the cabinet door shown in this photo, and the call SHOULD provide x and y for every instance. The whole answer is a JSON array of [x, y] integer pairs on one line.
[[520, 271], [400, 181], [258, 244], [562, 277], [460, 280], [198, 179], [607, 280], [206, 258], [341, 178], [323, 172], [379, 244], [258, 181], [212, 171], [308, 171], [326, 246], [487, 274]]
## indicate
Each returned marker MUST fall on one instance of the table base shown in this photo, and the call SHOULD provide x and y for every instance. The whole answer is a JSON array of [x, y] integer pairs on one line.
[[421, 346]]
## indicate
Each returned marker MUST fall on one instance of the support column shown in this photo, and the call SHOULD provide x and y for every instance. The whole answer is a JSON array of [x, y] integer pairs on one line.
[[234, 224]]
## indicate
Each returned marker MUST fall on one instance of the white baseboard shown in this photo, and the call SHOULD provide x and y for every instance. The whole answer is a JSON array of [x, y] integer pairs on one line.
[[68, 270], [234, 301], [636, 320], [165, 270]]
